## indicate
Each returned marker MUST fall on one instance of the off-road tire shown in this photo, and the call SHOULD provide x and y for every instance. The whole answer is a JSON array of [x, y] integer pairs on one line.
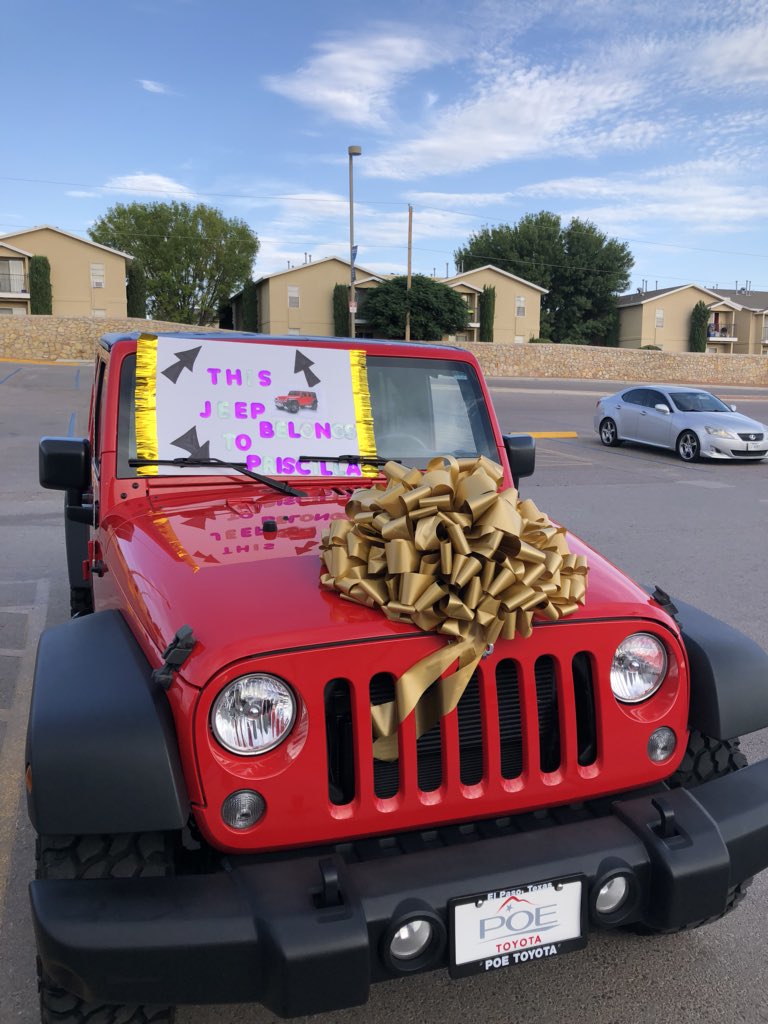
[[293, 407], [80, 602], [143, 855], [705, 759]]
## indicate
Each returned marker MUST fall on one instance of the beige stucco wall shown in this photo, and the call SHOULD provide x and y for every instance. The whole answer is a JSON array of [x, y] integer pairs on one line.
[[315, 282], [70, 260], [506, 325], [56, 338], [638, 323]]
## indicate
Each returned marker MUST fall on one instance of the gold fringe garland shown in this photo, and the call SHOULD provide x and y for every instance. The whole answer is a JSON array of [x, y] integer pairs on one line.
[[363, 411], [445, 550], [146, 402]]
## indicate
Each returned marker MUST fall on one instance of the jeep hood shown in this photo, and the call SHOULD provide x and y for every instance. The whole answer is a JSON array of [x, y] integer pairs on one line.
[[246, 589]]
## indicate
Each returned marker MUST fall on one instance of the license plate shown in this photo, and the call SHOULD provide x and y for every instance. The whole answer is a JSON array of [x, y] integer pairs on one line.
[[517, 925], [755, 446]]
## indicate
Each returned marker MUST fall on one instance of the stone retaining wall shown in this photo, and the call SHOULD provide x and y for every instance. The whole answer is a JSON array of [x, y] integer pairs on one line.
[[73, 337], [620, 364], [61, 338]]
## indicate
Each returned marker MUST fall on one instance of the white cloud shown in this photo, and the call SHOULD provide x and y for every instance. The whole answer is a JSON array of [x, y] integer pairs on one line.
[[519, 113], [684, 194], [156, 185], [83, 194], [149, 86], [353, 77]]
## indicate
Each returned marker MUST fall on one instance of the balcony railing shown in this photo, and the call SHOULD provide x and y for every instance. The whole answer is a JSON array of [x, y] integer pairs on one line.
[[17, 284]]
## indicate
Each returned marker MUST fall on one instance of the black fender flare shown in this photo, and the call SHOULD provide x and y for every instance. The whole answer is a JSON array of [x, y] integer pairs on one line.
[[101, 754], [729, 674]]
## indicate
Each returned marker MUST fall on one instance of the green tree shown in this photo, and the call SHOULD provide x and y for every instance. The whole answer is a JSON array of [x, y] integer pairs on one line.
[[435, 308], [697, 333], [40, 292], [341, 310], [193, 257], [581, 268], [136, 289], [487, 309], [250, 307]]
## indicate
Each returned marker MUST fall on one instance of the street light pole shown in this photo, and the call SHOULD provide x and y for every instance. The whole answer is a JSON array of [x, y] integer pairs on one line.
[[352, 151]]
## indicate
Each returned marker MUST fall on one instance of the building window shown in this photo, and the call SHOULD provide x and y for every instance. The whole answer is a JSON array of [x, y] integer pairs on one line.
[[97, 275], [659, 317], [100, 314], [520, 305], [12, 276], [293, 296], [519, 339], [6, 311]]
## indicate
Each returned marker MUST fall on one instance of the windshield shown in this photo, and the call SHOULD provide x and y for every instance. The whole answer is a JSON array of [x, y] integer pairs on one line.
[[697, 401], [421, 408]]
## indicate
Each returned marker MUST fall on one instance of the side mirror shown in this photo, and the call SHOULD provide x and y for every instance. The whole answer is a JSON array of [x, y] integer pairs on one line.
[[662, 407], [65, 463], [732, 407], [521, 452]]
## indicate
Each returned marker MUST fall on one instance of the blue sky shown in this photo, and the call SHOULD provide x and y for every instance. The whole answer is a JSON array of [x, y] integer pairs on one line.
[[650, 119]]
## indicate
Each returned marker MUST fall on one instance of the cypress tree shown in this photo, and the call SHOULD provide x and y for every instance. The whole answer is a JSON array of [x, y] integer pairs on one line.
[[40, 292]]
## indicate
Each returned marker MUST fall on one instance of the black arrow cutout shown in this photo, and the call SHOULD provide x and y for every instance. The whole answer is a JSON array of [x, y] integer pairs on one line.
[[191, 443], [302, 365], [185, 359]]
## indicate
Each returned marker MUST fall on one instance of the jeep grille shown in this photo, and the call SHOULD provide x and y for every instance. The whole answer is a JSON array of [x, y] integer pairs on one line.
[[485, 739]]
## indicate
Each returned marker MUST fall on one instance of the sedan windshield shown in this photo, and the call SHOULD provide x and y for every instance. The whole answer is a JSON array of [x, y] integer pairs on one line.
[[697, 401]]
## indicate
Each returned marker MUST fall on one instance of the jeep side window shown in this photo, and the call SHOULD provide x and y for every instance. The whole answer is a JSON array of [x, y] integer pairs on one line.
[[126, 419], [98, 411]]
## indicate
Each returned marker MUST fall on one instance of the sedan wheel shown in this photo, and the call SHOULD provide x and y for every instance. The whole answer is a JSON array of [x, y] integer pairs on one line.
[[609, 435], [688, 446]]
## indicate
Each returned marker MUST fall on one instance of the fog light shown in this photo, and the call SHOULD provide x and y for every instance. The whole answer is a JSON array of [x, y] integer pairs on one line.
[[611, 895], [242, 809], [411, 939], [661, 745]]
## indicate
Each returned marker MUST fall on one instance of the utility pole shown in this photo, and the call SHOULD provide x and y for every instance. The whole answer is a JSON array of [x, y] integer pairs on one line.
[[408, 285], [352, 151]]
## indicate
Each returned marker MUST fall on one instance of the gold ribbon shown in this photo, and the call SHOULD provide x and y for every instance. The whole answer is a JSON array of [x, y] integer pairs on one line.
[[450, 553]]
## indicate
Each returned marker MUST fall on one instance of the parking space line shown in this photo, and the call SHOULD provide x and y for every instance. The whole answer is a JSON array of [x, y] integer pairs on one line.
[[71, 427], [9, 375], [12, 751]]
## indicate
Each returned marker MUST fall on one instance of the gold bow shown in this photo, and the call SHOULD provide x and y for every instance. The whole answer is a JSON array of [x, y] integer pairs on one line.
[[448, 552]]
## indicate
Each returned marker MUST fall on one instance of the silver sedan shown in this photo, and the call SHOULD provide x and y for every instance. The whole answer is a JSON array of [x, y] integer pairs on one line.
[[694, 423]]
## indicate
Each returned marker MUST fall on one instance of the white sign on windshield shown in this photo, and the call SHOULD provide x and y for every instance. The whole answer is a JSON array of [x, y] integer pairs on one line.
[[264, 405]]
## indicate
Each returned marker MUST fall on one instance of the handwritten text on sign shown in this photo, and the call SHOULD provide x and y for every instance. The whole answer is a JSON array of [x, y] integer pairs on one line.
[[261, 404]]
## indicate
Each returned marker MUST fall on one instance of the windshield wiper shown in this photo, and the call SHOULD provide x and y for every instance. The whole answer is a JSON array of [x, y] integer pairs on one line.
[[189, 460], [352, 460]]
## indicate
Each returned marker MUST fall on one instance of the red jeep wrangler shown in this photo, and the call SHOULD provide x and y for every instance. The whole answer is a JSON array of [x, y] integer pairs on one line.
[[216, 819], [296, 400]]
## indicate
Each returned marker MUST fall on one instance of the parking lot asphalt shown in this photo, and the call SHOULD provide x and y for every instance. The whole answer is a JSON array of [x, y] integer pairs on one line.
[[696, 530]]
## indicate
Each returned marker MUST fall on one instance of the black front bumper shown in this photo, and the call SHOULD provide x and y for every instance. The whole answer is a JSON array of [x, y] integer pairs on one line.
[[268, 933]]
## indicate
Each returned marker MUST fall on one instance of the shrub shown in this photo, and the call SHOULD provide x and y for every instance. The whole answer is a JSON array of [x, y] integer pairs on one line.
[[341, 310], [40, 292], [136, 290], [487, 310], [250, 307]]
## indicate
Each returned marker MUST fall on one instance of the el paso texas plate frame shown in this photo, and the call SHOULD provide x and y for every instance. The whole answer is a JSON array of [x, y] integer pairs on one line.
[[519, 924]]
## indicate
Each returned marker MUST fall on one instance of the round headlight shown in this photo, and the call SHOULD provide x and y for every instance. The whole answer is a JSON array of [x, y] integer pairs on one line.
[[253, 714], [639, 666]]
